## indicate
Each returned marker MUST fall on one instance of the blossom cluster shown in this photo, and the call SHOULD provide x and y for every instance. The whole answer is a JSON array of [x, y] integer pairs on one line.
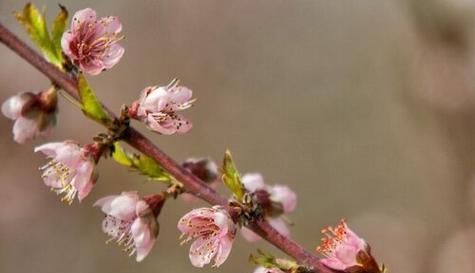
[[91, 46]]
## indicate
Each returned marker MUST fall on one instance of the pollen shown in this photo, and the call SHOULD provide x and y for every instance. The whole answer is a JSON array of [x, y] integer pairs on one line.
[[333, 237]]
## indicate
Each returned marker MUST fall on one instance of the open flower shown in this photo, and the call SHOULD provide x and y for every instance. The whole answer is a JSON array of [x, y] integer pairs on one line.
[[158, 108], [34, 114], [275, 200], [70, 170], [345, 251], [213, 231], [91, 43], [131, 221]]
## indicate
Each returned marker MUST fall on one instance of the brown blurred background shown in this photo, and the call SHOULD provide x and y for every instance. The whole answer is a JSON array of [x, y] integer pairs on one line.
[[366, 108]]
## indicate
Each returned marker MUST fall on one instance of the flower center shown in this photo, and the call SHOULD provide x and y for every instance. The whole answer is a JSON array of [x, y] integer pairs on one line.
[[120, 232], [334, 236], [61, 174]]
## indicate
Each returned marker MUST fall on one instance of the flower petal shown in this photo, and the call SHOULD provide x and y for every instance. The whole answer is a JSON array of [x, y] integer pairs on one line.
[[225, 246], [143, 238], [284, 195], [13, 106], [203, 250], [119, 206], [113, 55], [24, 129], [83, 181], [83, 16], [253, 182]]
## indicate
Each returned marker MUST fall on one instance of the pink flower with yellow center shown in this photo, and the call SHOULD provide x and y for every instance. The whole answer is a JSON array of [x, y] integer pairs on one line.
[[158, 107], [345, 251], [131, 221], [213, 231], [70, 170], [91, 43]]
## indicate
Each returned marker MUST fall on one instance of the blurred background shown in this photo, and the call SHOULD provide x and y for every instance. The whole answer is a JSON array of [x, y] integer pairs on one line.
[[365, 108]]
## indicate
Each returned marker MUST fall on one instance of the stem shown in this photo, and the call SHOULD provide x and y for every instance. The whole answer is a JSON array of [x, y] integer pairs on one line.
[[193, 184]]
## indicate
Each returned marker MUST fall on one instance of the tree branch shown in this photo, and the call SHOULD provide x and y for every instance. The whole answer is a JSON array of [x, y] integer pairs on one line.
[[192, 184]]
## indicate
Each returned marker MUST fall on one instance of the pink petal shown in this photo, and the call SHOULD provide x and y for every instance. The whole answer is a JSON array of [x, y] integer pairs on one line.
[[195, 220], [202, 251], [183, 124], [83, 180], [180, 94], [284, 195], [113, 55], [164, 127], [66, 40], [143, 238], [119, 206], [333, 263], [24, 129], [279, 224], [225, 246], [346, 254], [83, 16], [92, 67], [156, 100], [253, 182], [110, 25], [223, 221], [115, 227], [249, 235], [13, 106], [67, 152]]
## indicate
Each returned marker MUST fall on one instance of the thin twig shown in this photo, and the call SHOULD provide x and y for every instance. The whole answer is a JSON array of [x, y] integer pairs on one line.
[[192, 183]]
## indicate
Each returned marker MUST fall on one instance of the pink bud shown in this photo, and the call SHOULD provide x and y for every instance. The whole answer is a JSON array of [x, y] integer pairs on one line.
[[34, 114]]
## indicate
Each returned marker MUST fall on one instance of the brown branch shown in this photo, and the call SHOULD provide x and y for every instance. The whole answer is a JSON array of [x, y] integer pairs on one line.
[[192, 184]]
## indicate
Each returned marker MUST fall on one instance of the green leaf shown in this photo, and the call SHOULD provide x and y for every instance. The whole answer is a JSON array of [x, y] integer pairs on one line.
[[35, 23], [142, 163], [59, 25], [231, 177], [90, 105], [121, 156]]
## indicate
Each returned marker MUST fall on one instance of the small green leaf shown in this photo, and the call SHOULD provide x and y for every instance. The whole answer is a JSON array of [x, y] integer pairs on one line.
[[35, 23], [59, 25], [231, 177], [90, 105], [121, 156], [142, 163]]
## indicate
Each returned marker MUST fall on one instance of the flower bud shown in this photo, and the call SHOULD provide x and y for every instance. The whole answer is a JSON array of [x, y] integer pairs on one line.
[[34, 114]]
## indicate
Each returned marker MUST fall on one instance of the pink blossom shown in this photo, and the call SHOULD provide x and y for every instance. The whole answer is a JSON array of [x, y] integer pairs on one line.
[[262, 269], [342, 248], [91, 43], [158, 108], [130, 221], [213, 231], [276, 200], [33, 116], [70, 170]]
